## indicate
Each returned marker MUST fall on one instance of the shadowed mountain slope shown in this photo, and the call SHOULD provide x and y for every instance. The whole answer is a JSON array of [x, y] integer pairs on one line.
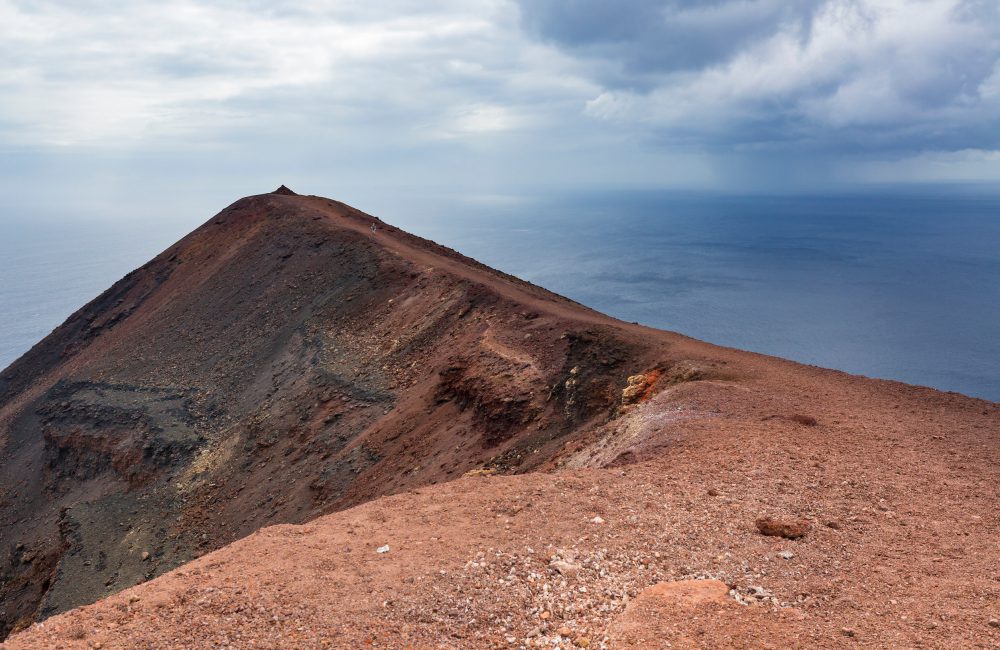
[[290, 357]]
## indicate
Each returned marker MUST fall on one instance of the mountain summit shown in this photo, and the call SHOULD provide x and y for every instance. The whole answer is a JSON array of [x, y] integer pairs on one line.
[[287, 363], [281, 361]]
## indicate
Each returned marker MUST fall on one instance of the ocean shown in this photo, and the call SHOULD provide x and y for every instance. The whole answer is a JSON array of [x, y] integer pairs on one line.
[[900, 286], [51, 267]]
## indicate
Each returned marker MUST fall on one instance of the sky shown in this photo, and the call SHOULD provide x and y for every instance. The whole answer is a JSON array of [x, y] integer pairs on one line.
[[108, 107]]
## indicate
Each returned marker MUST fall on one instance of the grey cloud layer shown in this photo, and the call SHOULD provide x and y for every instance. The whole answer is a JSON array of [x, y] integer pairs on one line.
[[501, 92], [824, 75]]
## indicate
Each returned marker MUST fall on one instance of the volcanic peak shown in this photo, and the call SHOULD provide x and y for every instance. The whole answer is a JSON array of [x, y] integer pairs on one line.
[[286, 363]]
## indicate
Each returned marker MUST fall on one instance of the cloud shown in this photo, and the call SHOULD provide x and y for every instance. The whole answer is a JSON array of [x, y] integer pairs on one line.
[[631, 41], [100, 71], [825, 76], [966, 166], [493, 96]]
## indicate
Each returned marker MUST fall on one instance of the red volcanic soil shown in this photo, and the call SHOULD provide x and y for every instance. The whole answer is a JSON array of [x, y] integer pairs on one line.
[[624, 487]]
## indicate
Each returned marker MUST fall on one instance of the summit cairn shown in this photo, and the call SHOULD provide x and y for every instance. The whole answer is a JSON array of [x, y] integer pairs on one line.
[[284, 191]]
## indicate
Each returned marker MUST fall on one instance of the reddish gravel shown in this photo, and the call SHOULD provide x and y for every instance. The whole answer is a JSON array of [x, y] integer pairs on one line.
[[899, 485]]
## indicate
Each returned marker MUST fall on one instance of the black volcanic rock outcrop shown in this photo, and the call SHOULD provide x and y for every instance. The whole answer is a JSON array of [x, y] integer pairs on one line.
[[281, 361]]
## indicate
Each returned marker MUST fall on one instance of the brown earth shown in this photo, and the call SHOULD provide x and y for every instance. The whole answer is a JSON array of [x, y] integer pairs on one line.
[[287, 360]]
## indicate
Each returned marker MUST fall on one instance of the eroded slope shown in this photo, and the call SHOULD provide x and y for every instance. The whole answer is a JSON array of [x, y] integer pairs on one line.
[[291, 357]]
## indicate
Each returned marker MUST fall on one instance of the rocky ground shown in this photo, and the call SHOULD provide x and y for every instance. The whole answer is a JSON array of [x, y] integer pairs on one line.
[[529, 473], [887, 492]]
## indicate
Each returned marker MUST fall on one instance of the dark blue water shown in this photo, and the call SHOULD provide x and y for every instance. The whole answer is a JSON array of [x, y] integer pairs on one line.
[[900, 287]]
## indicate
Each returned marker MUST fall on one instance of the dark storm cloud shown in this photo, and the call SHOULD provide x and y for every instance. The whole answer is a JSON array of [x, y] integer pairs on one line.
[[654, 36]]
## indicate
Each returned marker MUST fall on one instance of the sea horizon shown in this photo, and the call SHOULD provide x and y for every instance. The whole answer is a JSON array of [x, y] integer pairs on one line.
[[900, 284]]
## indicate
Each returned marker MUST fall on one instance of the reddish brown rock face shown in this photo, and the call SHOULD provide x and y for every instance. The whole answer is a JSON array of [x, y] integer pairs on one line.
[[780, 528]]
